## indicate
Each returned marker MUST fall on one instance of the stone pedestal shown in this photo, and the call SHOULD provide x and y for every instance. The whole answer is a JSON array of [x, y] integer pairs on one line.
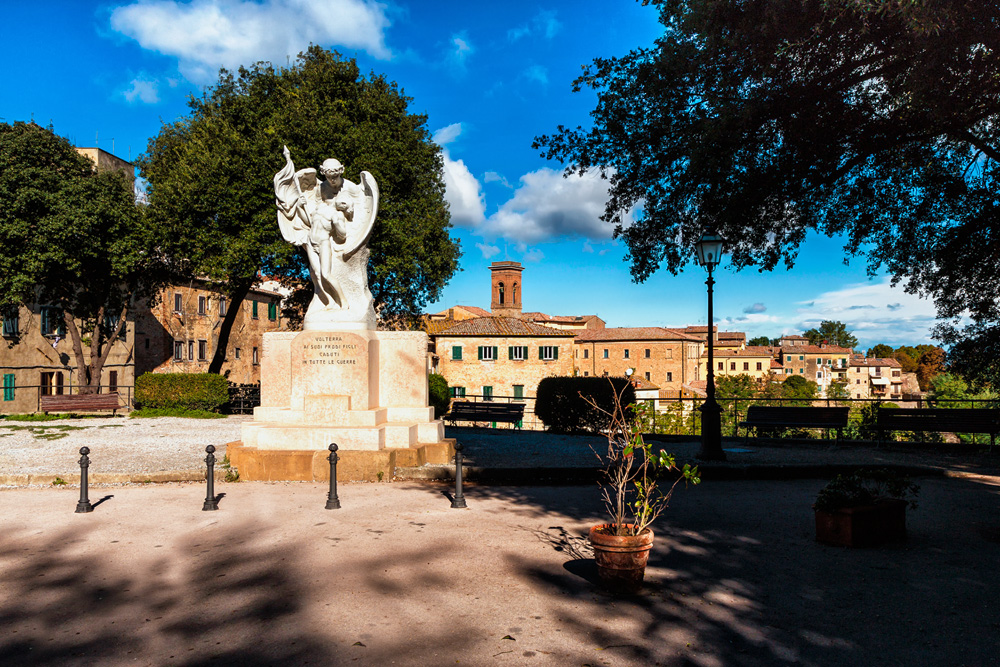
[[364, 390]]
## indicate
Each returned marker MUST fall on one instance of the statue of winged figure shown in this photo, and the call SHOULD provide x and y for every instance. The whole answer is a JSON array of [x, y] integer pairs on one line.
[[331, 219]]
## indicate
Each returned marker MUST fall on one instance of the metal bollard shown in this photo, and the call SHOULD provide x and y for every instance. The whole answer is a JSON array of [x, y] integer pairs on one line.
[[210, 502], [332, 501], [84, 504], [458, 501]]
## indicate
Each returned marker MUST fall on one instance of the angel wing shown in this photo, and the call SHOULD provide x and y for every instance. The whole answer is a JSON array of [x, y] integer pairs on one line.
[[293, 220], [360, 228]]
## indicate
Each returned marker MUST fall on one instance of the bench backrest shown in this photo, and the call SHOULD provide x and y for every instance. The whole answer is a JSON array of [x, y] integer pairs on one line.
[[938, 418], [84, 402], [805, 414], [486, 407]]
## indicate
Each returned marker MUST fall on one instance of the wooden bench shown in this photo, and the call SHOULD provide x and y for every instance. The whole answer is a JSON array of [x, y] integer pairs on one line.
[[763, 416], [945, 420], [79, 403], [486, 411]]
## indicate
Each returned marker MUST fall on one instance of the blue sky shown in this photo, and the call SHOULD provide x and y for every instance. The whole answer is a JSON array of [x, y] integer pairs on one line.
[[490, 77]]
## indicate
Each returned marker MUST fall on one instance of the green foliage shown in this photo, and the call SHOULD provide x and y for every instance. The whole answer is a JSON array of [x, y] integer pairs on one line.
[[762, 341], [832, 333], [211, 178], [581, 404], [802, 390], [73, 238], [149, 413], [37, 417], [231, 473], [880, 351], [184, 391], [949, 390], [873, 121], [866, 487], [673, 420], [838, 390], [58, 481], [439, 394]]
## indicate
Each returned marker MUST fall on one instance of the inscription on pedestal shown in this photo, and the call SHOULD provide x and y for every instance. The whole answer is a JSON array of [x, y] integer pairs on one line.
[[330, 350]]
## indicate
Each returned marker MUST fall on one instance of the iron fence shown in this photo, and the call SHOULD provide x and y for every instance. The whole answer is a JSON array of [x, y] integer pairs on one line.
[[243, 398]]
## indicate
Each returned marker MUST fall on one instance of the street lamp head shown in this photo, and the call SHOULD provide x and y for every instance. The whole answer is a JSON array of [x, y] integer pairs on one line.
[[709, 250]]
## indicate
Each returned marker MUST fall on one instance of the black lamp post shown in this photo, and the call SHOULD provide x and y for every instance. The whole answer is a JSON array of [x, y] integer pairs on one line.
[[709, 249]]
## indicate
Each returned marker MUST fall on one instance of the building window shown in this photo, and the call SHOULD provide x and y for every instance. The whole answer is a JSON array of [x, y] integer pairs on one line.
[[112, 381], [647, 353], [732, 365], [237, 352], [858, 381], [52, 322], [253, 309], [8, 386], [789, 358], [819, 361], [272, 311], [760, 365], [819, 375], [487, 393], [500, 293], [487, 353], [178, 350], [801, 357], [190, 350], [202, 350], [517, 353], [178, 303], [586, 374], [254, 357], [518, 391], [202, 305], [548, 352], [746, 366], [605, 353], [222, 306], [721, 366], [647, 376], [52, 384], [626, 353], [802, 371], [457, 392], [11, 324], [456, 352], [670, 377], [586, 353]]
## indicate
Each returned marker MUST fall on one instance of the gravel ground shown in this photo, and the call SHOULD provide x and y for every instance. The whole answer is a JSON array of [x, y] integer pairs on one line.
[[117, 444]]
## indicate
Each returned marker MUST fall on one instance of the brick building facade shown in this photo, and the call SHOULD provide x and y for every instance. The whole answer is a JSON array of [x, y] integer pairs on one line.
[[667, 358]]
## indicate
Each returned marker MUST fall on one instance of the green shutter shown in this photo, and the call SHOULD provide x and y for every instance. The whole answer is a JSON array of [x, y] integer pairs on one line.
[[8, 387], [456, 352], [495, 355], [253, 309], [272, 311], [524, 353], [540, 357], [480, 349], [555, 351], [518, 391], [510, 353]]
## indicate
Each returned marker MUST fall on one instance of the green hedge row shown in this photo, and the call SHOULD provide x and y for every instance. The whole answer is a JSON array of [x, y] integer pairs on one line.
[[562, 405], [188, 391], [439, 395]]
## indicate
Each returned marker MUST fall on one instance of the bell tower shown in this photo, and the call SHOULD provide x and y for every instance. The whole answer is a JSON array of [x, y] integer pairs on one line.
[[506, 289]]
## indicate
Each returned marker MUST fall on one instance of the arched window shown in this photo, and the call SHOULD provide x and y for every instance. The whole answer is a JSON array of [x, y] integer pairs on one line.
[[500, 293], [513, 294]]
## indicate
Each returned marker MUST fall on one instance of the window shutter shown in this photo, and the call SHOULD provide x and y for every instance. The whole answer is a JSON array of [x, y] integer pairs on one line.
[[510, 352], [524, 353], [480, 353], [540, 355], [555, 351], [495, 355]]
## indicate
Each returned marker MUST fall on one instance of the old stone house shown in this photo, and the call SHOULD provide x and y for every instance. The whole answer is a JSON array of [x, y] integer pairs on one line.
[[667, 358], [870, 377]]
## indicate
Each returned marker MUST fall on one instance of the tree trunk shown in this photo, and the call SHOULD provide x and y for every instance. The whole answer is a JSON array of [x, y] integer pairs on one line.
[[100, 349], [240, 291], [83, 379]]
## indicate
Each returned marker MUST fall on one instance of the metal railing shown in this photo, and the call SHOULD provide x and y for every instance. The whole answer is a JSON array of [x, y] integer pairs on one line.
[[243, 398]]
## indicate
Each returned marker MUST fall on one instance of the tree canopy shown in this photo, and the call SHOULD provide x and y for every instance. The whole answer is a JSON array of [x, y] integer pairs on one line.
[[832, 333], [211, 189], [765, 119], [71, 238], [760, 340]]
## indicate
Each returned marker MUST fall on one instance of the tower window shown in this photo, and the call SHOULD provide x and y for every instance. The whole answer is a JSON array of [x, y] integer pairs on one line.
[[500, 293]]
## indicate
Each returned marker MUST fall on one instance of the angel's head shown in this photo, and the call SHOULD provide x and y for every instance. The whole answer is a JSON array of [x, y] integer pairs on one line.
[[332, 170]]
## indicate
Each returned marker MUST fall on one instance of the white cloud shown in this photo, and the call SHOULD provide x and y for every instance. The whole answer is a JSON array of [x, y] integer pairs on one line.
[[447, 134], [755, 308], [545, 206], [208, 34], [487, 250], [587, 247], [543, 23], [142, 89], [462, 190], [533, 255], [538, 74], [461, 50], [494, 177]]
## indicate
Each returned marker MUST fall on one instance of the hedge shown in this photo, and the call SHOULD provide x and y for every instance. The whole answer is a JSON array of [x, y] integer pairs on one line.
[[439, 394], [188, 391], [562, 406]]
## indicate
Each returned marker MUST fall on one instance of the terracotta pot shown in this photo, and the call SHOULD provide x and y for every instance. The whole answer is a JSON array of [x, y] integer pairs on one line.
[[621, 559], [865, 526]]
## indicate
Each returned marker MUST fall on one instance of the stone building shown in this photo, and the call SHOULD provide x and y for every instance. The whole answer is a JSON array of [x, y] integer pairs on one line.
[[754, 361], [667, 358], [822, 364], [875, 378], [495, 356]]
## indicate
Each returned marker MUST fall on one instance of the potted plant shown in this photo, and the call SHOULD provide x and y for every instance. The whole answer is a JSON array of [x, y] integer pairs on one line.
[[635, 496], [865, 508]]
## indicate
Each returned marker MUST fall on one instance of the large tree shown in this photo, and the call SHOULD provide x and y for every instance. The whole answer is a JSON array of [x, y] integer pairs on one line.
[[764, 119], [832, 333], [73, 239], [211, 186]]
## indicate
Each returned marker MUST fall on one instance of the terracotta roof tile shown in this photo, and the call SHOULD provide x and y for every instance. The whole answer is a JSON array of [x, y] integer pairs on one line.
[[633, 333], [501, 326]]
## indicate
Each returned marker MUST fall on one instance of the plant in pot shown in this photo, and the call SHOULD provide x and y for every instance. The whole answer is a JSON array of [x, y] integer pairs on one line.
[[635, 490], [865, 508]]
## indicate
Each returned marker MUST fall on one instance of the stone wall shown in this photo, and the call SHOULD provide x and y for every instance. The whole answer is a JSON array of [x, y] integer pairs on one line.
[[503, 373]]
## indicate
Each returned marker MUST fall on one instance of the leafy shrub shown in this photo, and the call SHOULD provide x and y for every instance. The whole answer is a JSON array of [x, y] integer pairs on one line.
[[439, 395], [581, 404], [865, 487], [187, 391], [174, 412]]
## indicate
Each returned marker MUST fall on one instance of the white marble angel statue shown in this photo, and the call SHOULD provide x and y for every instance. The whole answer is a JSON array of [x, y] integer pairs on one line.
[[331, 220]]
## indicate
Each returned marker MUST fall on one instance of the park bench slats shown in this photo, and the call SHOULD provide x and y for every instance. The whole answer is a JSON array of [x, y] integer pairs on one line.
[[764, 416], [486, 411], [79, 403], [947, 420]]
